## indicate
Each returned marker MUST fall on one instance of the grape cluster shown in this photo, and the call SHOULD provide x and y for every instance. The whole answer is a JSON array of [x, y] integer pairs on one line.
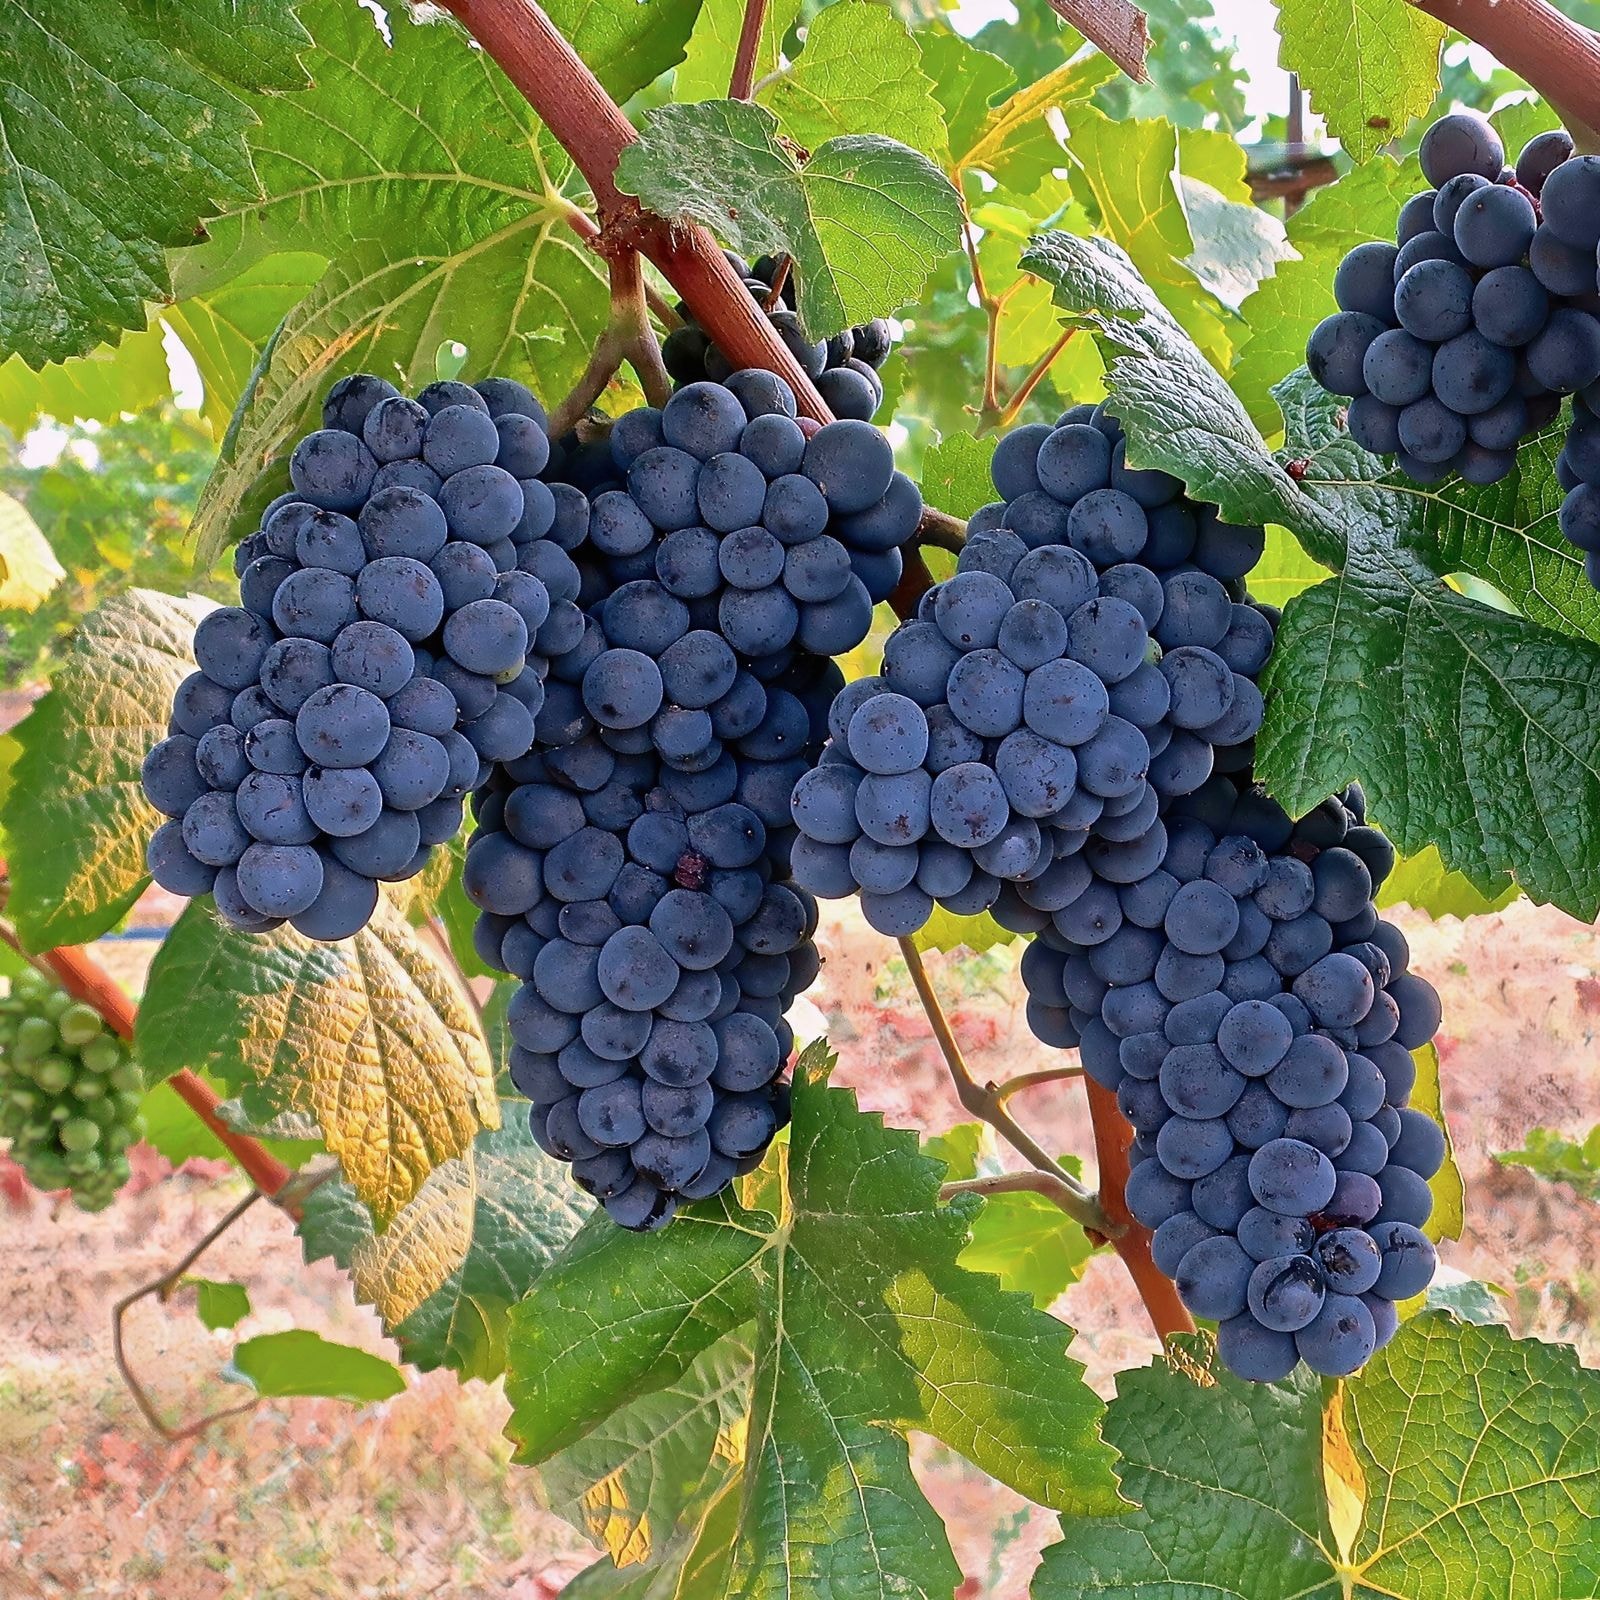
[[633, 869], [69, 1093], [389, 644], [1093, 657], [844, 368], [722, 514], [1460, 340], [1256, 1018]]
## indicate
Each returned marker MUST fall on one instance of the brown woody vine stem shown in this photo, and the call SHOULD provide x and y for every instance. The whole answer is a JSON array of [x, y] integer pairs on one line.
[[1557, 56], [1115, 26], [590, 127], [983, 1101], [744, 60], [1112, 1136]]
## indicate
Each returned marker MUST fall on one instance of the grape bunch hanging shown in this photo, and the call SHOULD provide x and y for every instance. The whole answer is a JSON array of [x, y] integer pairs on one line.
[[69, 1093], [388, 645], [633, 870], [844, 367], [1462, 339]]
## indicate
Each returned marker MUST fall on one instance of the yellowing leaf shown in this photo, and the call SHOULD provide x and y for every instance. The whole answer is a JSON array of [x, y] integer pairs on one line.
[[28, 566]]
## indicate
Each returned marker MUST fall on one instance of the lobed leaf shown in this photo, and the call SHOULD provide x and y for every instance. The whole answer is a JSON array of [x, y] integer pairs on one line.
[[864, 1327], [1460, 1460], [1370, 66], [371, 1035]]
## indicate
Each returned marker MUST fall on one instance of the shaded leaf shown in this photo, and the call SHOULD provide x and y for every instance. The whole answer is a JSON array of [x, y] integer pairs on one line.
[[708, 57], [1553, 1156]]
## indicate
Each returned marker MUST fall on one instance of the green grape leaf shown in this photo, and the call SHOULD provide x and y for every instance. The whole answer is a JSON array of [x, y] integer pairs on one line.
[[461, 1252], [626, 47], [656, 1466], [442, 220], [1449, 1215], [1028, 1243], [121, 129], [1558, 1159], [173, 1130], [966, 83], [372, 1035], [860, 72], [1125, 172], [1284, 569], [219, 1305], [945, 931], [1369, 66], [1459, 1460], [1463, 723], [28, 566], [76, 798], [226, 329], [955, 474], [1016, 143], [97, 387], [708, 57], [864, 1327], [1425, 882], [299, 1362], [1361, 206], [865, 219]]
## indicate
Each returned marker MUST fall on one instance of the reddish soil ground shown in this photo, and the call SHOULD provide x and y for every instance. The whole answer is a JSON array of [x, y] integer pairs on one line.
[[415, 1497]]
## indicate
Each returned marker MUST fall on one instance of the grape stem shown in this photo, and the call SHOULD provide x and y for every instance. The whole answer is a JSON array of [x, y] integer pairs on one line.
[[986, 1103], [591, 128], [85, 979], [1112, 1138], [1029, 1080], [1034, 378], [744, 59], [1104, 1217], [162, 1288], [1116, 27], [1040, 1183], [1558, 57], [990, 305], [628, 337]]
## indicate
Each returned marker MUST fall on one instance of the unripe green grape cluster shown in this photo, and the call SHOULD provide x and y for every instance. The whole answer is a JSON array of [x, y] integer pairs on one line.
[[69, 1093]]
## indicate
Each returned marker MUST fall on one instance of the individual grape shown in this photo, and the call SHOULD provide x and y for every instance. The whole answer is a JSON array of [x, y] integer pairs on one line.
[[1408, 1260], [1290, 1176], [1397, 368], [1565, 357], [1214, 1277], [1433, 301], [332, 469], [1541, 156], [1458, 143], [1365, 281], [278, 880], [1337, 348], [1570, 198], [1471, 374], [1286, 1293], [1339, 1339], [1430, 432], [1255, 1353]]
